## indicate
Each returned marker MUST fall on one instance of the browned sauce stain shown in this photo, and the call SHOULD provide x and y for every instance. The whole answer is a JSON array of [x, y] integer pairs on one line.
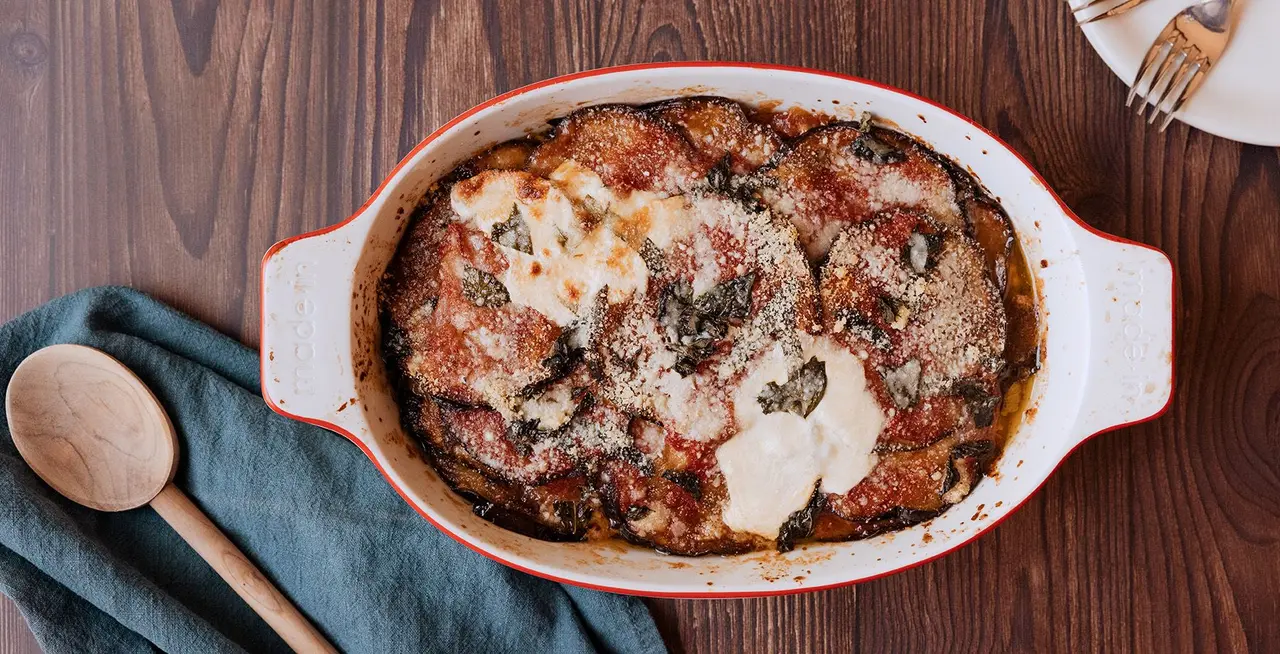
[[984, 152], [271, 356], [616, 545], [926, 538], [798, 578], [677, 565], [1044, 263], [342, 407], [922, 118], [999, 504]]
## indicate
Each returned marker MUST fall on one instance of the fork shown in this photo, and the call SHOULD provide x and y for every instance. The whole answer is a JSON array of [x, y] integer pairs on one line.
[[1180, 57], [1114, 11]]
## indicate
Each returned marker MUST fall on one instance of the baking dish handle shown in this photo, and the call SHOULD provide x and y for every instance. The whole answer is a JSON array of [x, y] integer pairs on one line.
[[307, 325], [1130, 291]]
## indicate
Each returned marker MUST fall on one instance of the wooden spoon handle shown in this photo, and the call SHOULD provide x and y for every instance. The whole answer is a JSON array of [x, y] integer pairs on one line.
[[235, 568]]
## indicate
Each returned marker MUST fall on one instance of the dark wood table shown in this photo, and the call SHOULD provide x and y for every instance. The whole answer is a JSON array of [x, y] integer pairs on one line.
[[166, 144]]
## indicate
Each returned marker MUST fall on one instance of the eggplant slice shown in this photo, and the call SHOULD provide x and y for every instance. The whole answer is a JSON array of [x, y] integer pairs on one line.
[[484, 440], [525, 508], [917, 484], [468, 345], [676, 512], [720, 130], [629, 149], [734, 282], [916, 298], [839, 175]]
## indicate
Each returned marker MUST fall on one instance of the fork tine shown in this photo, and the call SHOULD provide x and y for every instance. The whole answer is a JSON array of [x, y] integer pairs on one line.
[[1118, 9], [1159, 49], [1160, 85], [1178, 71], [1156, 55], [1197, 75], [1157, 80]]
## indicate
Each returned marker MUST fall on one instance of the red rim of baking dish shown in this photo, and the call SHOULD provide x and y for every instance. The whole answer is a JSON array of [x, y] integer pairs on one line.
[[705, 64]]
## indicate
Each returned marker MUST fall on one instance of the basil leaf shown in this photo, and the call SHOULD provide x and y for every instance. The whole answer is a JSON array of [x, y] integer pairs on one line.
[[801, 524], [513, 233], [692, 334], [483, 289], [729, 300], [800, 394]]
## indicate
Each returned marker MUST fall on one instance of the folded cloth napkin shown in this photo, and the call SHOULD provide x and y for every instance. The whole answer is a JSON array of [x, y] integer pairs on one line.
[[303, 503]]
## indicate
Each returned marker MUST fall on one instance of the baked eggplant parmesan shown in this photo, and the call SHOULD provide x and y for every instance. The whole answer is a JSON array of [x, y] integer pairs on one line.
[[708, 329]]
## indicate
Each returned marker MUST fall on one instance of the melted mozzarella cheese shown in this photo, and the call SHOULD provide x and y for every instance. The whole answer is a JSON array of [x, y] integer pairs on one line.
[[488, 199], [551, 409], [772, 465], [569, 264], [636, 215], [602, 259]]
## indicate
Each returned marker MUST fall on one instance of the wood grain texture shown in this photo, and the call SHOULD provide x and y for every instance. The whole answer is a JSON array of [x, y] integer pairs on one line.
[[15, 637], [166, 144]]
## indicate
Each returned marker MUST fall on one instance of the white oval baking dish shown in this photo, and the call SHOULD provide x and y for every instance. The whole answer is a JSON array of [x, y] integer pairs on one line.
[[1107, 305]]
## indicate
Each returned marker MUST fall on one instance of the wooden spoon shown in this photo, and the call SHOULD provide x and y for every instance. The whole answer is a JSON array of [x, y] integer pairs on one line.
[[94, 432]]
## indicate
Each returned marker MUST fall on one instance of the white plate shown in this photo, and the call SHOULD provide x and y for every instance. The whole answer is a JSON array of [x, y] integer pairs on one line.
[[1240, 98]]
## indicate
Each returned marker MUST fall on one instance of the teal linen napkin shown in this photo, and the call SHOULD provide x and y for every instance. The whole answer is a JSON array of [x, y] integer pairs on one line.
[[304, 503]]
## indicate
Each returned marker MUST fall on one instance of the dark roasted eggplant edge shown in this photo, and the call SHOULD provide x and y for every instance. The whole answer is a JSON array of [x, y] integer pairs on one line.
[[608, 495], [410, 407]]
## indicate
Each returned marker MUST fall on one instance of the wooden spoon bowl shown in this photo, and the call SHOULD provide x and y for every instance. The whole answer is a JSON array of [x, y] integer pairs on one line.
[[90, 428]]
